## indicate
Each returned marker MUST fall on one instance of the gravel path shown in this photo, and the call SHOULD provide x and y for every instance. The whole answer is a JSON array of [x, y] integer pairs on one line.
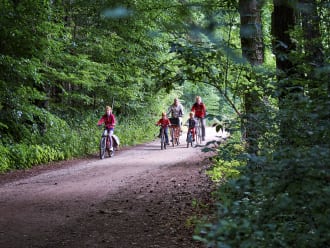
[[141, 197]]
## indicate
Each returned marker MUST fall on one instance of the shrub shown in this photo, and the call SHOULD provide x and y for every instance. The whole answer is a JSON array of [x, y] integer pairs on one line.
[[5, 162]]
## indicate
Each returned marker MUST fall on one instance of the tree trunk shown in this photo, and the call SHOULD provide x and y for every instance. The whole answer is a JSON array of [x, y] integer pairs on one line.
[[313, 48], [283, 21], [253, 50]]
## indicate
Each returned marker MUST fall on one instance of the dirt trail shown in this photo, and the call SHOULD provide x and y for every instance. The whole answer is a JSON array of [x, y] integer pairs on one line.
[[141, 197]]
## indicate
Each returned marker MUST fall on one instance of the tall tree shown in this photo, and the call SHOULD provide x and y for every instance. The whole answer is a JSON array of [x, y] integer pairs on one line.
[[313, 48], [283, 21], [253, 51]]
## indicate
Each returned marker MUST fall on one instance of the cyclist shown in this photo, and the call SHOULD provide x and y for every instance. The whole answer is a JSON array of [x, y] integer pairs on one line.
[[176, 112], [109, 121], [191, 123], [199, 109], [164, 122]]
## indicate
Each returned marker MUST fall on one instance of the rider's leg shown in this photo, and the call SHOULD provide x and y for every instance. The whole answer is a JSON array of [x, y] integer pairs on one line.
[[180, 124], [171, 133], [166, 135], [105, 134], [160, 133], [110, 138]]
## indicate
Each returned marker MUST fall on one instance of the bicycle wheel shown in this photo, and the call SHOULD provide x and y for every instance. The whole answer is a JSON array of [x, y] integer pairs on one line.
[[102, 147], [110, 152], [199, 138], [199, 131], [173, 136], [177, 136], [162, 140], [189, 139]]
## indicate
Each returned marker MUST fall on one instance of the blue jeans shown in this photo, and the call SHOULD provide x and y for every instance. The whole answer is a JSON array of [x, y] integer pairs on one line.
[[165, 132]]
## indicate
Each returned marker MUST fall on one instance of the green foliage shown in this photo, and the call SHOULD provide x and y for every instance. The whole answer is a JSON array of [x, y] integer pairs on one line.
[[279, 199], [5, 162], [60, 63], [25, 155], [228, 162], [282, 205]]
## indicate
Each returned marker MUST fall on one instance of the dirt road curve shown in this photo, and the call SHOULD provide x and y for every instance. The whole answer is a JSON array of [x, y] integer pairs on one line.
[[141, 197]]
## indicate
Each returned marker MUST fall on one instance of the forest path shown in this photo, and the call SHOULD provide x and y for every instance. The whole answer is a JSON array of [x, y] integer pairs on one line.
[[141, 197]]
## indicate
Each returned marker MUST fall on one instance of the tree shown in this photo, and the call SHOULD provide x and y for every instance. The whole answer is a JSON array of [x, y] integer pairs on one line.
[[281, 203], [283, 21], [253, 51], [312, 47]]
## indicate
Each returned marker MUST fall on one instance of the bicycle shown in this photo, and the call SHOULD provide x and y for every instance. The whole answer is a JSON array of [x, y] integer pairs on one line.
[[190, 139], [199, 131], [175, 131], [106, 144], [162, 139]]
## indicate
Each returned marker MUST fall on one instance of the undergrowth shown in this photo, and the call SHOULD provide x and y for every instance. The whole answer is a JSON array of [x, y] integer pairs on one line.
[[63, 141], [277, 198]]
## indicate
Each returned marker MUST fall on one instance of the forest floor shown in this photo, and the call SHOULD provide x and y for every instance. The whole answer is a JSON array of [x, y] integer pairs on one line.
[[142, 197]]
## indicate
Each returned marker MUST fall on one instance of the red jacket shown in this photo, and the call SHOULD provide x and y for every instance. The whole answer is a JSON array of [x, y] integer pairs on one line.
[[163, 122], [109, 121], [199, 109]]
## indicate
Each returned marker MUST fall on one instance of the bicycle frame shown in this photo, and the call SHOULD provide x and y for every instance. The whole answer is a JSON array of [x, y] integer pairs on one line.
[[162, 139], [189, 138], [175, 134], [199, 131], [106, 144]]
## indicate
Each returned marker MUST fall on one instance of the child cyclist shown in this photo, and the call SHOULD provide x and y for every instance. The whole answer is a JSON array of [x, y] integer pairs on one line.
[[164, 122], [109, 121], [191, 123]]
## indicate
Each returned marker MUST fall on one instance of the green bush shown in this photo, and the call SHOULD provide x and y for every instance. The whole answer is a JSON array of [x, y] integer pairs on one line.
[[282, 204], [5, 162], [226, 165], [280, 198], [24, 156], [64, 141]]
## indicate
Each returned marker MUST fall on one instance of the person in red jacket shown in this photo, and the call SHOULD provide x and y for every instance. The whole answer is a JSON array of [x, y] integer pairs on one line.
[[109, 121], [164, 122], [199, 109]]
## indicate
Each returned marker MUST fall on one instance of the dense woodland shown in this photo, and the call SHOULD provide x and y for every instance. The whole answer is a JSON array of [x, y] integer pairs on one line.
[[261, 67]]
